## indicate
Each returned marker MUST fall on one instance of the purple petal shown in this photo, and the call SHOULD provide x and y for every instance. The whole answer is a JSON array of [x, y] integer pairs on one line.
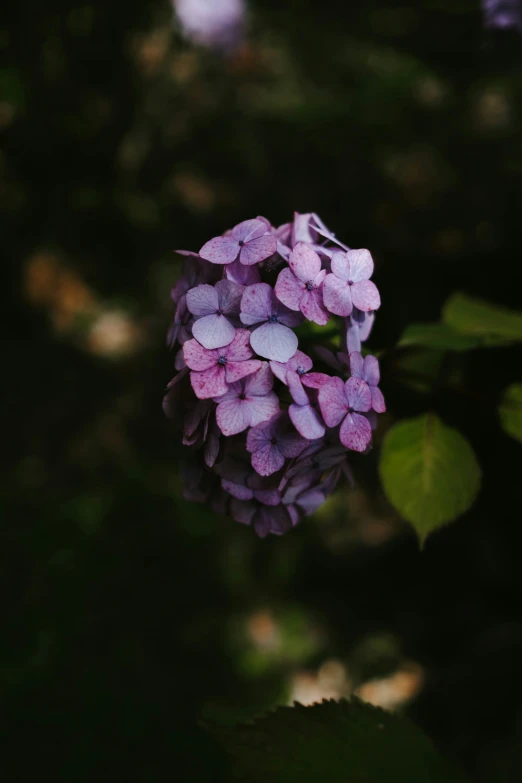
[[268, 497], [220, 250], [337, 296], [256, 304], [179, 361], [307, 421], [312, 307], [288, 317], [209, 383], [291, 444], [295, 387], [267, 460], [263, 408], [361, 264], [371, 372], [355, 432], [280, 520], [378, 403], [302, 230], [261, 383], [256, 250], [274, 341], [238, 491], [211, 450], [340, 266], [260, 436], [357, 365], [333, 402], [197, 357], [213, 331], [234, 371], [324, 231], [328, 357], [233, 392], [202, 300], [365, 296], [244, 275], [304, 262], [353, 336], [229, 296], [233, 416], [239, 349], [310, 501], [242, 512], [314, 380], [358, 394], [289, 289], [248, 230], [372, 418]]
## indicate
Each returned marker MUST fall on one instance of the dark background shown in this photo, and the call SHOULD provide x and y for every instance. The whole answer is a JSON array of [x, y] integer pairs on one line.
[[130, 614]]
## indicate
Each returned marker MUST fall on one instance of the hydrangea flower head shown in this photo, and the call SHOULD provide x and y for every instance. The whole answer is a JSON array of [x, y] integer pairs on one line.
[[271, 433]]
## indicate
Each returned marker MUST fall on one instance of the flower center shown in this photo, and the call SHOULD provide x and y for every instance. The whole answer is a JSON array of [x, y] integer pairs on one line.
[[309, 285], [273, 441], [242, 396], [240, 243], [219, 311], [273, 318], [351, 410], [350, 282], [300, 371], [222, 360]]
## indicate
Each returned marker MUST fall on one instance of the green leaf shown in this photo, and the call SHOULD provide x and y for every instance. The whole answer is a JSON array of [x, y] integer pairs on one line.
[[510, 411], [495, 325], [429, 472], [437, 336], [334, 742]]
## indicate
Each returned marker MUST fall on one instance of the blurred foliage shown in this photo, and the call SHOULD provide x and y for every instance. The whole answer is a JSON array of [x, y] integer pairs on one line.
[[131, 614]]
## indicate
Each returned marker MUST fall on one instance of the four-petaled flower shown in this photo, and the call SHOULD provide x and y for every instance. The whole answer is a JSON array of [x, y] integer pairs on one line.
[[299, 363], [349, 283], [367, 369], [213, 307], [343, 403], [248, 402], [213, 371], [249, 241], [271, 443], [273, 339], [299, 286]]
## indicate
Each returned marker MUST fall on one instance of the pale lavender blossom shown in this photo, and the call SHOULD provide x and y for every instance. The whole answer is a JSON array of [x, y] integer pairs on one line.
[[217, 24], [299, 286], [349, 283], [216, 310], [271, 443], [502, 14], [299, 363], [273, 339], [367, 369], [213, 371], [247, 402], [343, 403], [250, 242], [303, 411]]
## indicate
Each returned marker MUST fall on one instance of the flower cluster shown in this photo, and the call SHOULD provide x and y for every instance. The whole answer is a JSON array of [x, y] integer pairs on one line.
[[270, 433]]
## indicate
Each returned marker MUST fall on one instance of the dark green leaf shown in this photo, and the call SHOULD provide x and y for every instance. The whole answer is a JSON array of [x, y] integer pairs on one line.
[[437, 336], [475, 317], [510, 411]]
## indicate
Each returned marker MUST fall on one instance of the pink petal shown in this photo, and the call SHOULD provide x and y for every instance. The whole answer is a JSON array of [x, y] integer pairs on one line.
[[234, 371], [332, 401], [233, 416], [202, 300], [239, 349], [256, 304], [197, 357], [274, 341], [371, 372], [209, 383], [355, 432], [361, 264], [295, 387], [267, 460], [340, 266], [263, 408], [372, 418], [256, 250], [289, 289], [248, 230], [365, 296], [244, 275], [304, 262], [314, 380], [337, 296], [378, 403], [307, 421], [358, 394], [312, 307], [260, 383], [357, 365], [213, 331], [300, 362], [229, 296], [220, 250]]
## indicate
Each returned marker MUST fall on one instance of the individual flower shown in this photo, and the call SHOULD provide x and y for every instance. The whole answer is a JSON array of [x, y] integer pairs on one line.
[[349, 285], [303, 411], [213, 371], [502, 14], [343, 403], [247, 402], [272, 339], [299, 286], [214, 308], [218, 24], [250, 242], [367, 369], [299, 363], [271, 443], [264, 519]]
